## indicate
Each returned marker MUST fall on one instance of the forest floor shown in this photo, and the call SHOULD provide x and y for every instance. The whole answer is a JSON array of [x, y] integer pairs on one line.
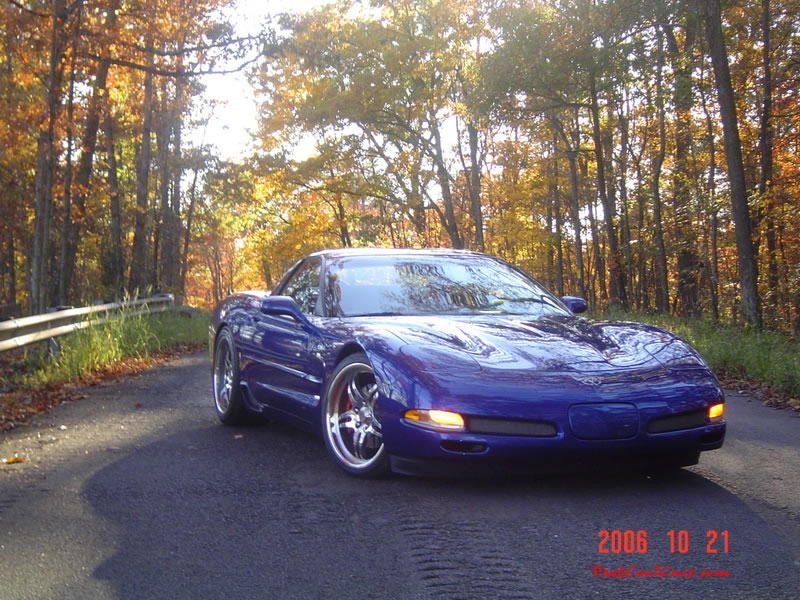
[[766, 393], [18, 403]]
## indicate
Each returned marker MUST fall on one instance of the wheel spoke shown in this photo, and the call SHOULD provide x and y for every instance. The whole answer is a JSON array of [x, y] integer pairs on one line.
[[374, 430], [347, 421], [356, 396], [359, 442], [372, 394]]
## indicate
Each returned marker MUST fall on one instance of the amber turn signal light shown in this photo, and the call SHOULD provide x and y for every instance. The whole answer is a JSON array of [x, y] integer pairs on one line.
[[436, 419], [715, 412]]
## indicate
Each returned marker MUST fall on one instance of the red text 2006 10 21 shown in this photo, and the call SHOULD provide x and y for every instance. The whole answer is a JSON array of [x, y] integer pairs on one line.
[[629, 541]]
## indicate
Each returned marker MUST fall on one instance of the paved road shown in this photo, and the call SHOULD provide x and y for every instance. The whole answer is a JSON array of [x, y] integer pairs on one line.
[[159, 501]]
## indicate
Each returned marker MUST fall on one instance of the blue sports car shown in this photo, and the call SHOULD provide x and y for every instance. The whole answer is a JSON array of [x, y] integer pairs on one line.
[[430, 360]]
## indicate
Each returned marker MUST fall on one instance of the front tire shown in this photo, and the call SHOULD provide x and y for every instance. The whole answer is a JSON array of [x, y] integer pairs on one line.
[[228, 396], [350, 424]]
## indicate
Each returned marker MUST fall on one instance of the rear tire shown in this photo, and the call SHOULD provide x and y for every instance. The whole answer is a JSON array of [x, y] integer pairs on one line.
[[228, 395]]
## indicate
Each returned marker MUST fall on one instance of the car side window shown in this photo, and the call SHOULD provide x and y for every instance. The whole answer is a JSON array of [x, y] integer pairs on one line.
[[303, 286]]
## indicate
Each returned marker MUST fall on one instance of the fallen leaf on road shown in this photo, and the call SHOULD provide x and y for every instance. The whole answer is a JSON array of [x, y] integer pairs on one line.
[[13, 459], [139, 405], [238, 436]]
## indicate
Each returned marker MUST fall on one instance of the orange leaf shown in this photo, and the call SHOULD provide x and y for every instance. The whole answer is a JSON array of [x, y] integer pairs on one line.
[[15, 459]]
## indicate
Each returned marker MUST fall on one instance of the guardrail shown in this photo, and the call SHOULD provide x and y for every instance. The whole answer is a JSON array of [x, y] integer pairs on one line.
[[18, 333]]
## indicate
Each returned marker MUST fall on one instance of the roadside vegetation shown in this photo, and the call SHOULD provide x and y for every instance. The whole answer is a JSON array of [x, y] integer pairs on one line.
[[767, 357], [134, 336], [32, 381]]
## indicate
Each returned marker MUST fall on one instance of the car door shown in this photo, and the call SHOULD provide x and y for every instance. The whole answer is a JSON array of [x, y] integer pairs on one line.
[[284, 376]]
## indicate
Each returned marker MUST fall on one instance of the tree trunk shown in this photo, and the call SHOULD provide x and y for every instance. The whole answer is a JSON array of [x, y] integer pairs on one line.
[[599, 263], [574, 212], [115, 252], [765, 147], [170, 261], [449, 221], [748, 270], [138, 275], [549, 243], [45, 159], [341, 218], [660, 259], [687, 263], [616, 273], [625, 225], [643, 296], [12, 270], [556, 211], [712, 260], [187, 235], [162, 254], [475, 186], [60, 294]]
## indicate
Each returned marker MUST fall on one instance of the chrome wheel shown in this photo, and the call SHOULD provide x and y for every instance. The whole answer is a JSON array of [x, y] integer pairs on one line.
[[351, 427], [223, 376], [228, 397]]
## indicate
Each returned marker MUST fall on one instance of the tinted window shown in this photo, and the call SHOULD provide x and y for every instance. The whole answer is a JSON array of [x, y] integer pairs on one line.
[[303, 286], [413, 285]]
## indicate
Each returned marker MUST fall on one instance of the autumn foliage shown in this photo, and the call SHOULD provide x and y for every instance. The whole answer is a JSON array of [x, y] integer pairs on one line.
[[641, 154]]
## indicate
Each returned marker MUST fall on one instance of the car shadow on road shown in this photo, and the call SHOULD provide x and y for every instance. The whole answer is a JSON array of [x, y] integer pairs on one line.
[[261, 512]]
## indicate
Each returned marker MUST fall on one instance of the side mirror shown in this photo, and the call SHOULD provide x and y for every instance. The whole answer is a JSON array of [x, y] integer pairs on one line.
[[575, 304], [285, 306]]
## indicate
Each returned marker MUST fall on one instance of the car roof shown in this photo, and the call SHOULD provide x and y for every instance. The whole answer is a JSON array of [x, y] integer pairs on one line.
[[346, 252]]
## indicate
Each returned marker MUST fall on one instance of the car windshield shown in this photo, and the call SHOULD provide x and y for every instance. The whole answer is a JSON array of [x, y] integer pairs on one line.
[[434, 285]]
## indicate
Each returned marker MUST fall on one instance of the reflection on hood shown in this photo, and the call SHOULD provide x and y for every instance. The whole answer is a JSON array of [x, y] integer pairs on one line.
[[554, 344]]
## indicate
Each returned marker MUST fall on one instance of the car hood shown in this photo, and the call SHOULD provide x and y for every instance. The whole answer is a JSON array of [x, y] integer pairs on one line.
[[554, 344]]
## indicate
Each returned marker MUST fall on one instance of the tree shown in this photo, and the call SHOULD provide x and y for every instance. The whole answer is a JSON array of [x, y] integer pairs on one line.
[[748, 274]]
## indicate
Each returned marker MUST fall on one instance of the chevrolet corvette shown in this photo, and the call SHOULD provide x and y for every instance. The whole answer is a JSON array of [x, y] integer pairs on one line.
[[420, 361]]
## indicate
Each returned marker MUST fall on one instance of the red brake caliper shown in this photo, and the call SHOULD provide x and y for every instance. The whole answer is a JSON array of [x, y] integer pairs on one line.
[[334, 400]]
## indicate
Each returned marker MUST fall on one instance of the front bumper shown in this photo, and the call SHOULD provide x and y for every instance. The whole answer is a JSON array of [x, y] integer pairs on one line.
[[424, 450]]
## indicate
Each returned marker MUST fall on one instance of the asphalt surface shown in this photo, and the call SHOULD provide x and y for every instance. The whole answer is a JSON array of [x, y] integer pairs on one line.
[[137, 492]]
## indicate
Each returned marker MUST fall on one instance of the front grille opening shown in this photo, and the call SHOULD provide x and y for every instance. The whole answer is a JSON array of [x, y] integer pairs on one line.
[[511, 427], [464, 447], [677, 422]]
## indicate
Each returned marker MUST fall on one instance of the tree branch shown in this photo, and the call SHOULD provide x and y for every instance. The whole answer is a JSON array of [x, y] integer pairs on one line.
[[167, 72], [183, 51], [30, 11]]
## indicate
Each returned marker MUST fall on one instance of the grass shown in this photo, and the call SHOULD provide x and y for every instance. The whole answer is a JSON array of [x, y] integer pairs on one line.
[[766, 356], [133, 336]]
